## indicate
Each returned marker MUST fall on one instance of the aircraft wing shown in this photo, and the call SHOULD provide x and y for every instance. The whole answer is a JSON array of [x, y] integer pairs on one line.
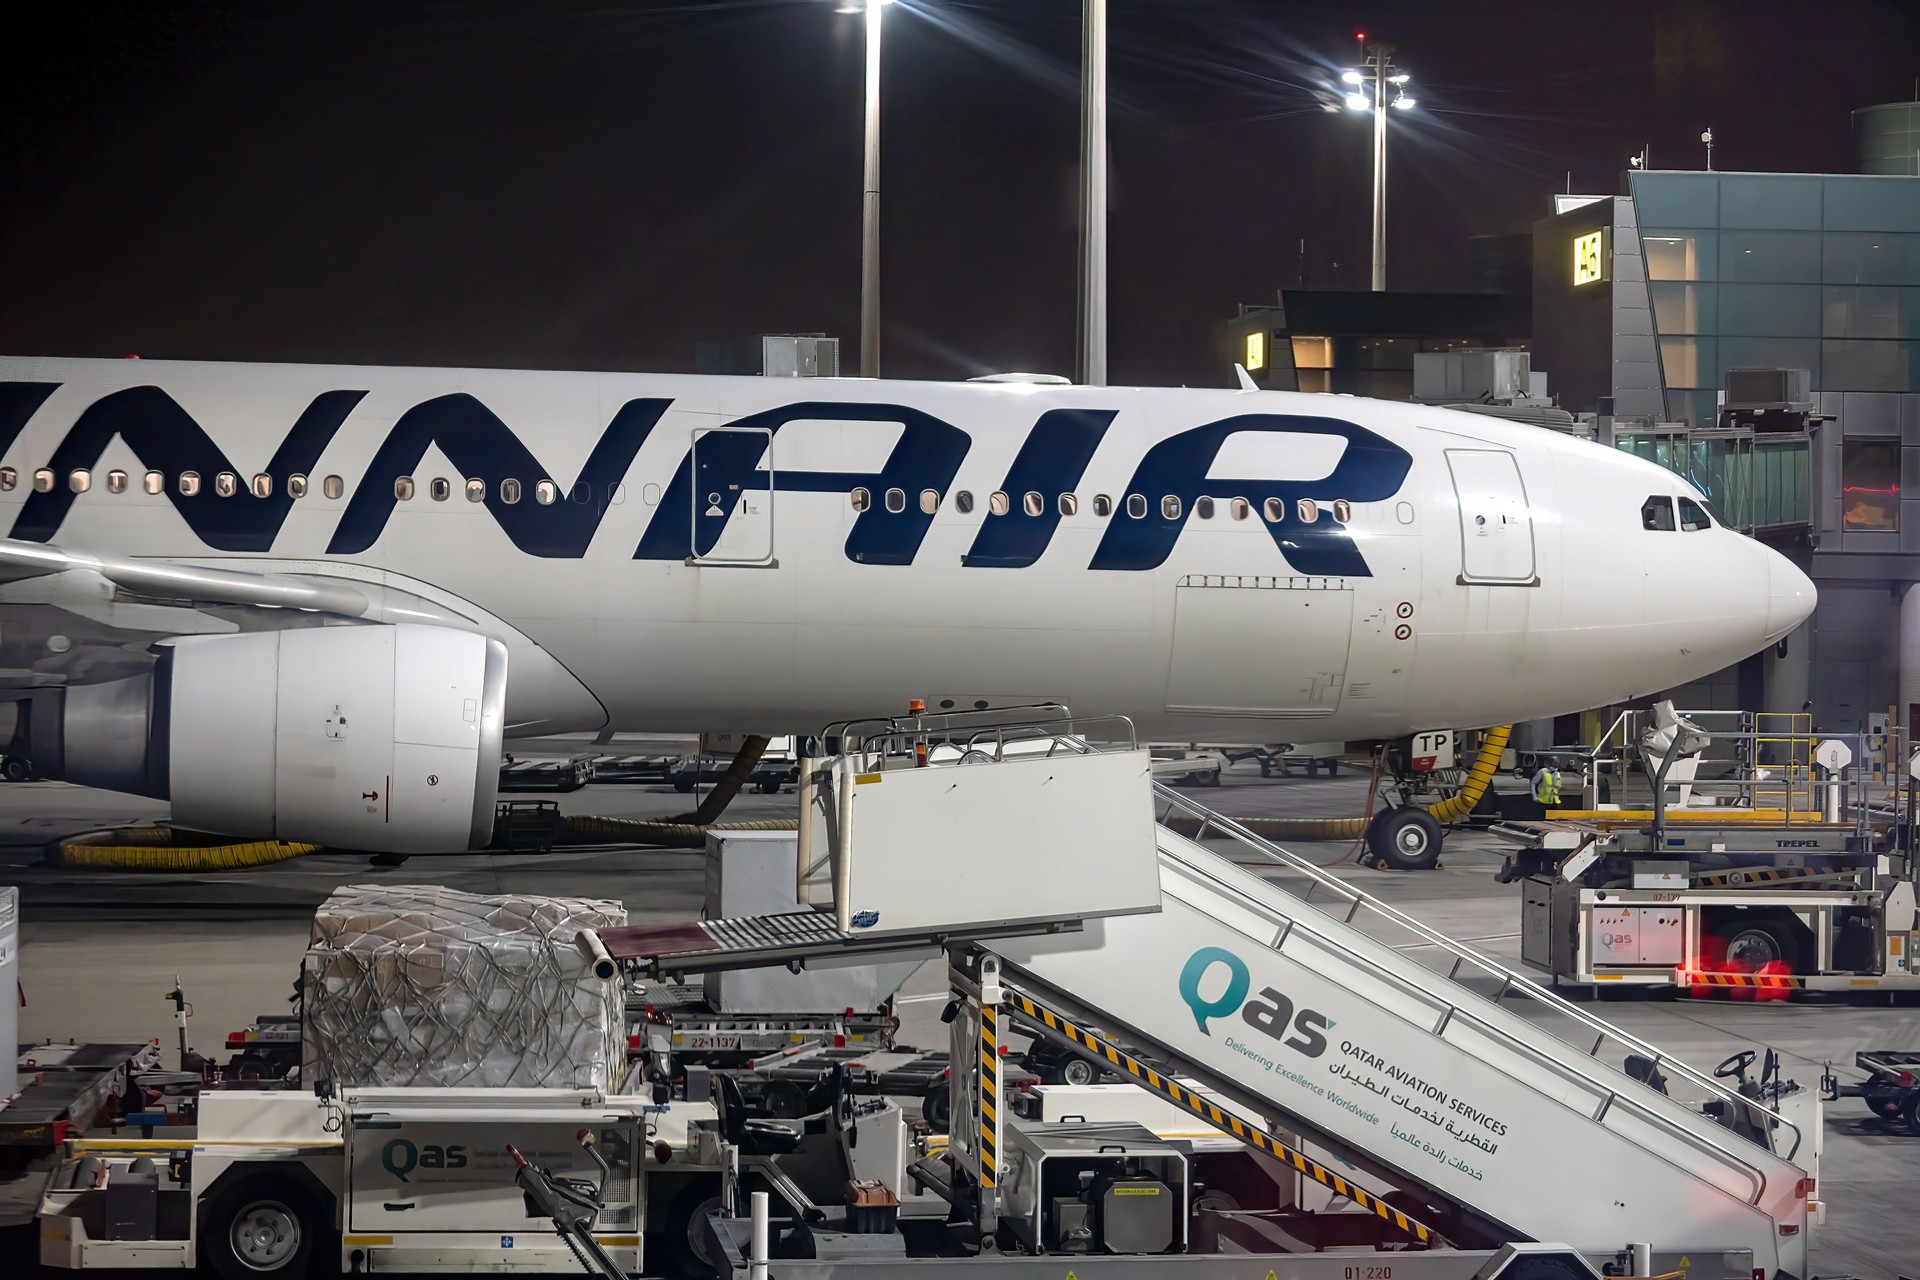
[[163, 580]]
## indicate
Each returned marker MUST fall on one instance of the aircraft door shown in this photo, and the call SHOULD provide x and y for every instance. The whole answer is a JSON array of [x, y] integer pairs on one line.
[[732, 512], [1259, 646], [1496, 524]]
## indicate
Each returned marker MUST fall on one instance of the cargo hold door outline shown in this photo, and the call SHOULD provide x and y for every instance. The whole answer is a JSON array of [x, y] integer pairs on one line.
[[1259, 646], [1496, 522], [732, 522]]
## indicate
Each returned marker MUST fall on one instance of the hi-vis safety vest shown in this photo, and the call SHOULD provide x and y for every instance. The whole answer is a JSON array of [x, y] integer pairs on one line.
[[1546, 785]]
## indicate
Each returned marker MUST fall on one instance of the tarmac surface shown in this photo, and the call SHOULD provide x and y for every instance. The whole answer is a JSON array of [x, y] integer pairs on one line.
[[99, 950]]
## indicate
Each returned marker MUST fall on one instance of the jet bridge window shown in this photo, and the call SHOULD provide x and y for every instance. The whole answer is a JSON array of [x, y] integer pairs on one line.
[[263, 485], [8, 479], [116, 482], [476, 490], [296, 485], [154, 482], [79, 480], [1656, 514], [963, 502], [1203, 508], [1693, 517], [896, 501], [43, 480], [439, 488], [1102, 505], [509, 491], [546, 493], [403, 488], [1274, 510], [1033, 504], [188, 484]]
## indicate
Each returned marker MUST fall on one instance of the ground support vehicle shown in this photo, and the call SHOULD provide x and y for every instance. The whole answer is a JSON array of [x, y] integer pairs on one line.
[[546, 774], [634, 769], [1311, 1041], [1891, 1089], [68, 1088]]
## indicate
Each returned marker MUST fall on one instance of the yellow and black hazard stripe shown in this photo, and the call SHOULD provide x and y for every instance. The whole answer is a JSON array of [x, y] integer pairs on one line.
[[1763, 981], [989, 1095], [1220, 1118], [1765, 875]]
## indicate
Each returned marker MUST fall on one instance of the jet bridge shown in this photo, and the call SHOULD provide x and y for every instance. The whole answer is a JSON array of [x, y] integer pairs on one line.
[[1466, 1109]]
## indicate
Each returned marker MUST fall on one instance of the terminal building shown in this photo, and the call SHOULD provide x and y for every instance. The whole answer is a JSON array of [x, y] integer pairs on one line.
[[1758, 333]]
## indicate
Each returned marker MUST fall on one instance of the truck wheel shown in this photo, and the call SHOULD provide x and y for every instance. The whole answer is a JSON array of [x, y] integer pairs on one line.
[[260, 1227], [769, 786], [1910, 1111], [686, 1236], [683, 785], [16, 769], [1886, 1106], [1406, 839], [1751, 943], [251, 1066], [936, 1108], [1077, 1071]]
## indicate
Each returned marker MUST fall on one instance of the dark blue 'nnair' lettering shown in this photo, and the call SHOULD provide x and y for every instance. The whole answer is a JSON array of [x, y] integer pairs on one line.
[[926, 456], [1370, 469]]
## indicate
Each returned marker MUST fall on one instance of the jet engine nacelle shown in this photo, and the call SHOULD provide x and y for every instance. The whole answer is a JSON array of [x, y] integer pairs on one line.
[[381, 738]]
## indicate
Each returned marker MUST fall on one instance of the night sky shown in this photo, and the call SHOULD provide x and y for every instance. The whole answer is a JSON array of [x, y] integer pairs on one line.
[[602, 186]]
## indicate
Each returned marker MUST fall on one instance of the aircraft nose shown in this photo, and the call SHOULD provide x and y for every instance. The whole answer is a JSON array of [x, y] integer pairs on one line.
[[1791, 595]]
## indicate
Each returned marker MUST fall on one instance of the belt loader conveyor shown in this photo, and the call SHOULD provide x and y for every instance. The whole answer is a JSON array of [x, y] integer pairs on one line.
[[1450, 1109]]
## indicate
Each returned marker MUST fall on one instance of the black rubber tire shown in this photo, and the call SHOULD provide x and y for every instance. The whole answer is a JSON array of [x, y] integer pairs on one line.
[[1405, 839], [1910, 1111], [936, 1107], [1077, 1070], [784, 1099], [1747, 943], [683, 785], [768, 787], [1333, 768], [251, 1066], [1885, 1108], [1211, 779], [267, 1201], [17, 769], [685, 1253]]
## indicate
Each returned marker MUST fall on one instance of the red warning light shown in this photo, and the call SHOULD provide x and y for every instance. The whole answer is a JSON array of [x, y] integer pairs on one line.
[[1359, 35]]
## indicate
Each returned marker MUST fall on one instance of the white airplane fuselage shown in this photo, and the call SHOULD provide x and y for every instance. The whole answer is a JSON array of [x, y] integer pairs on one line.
[[725, 553]]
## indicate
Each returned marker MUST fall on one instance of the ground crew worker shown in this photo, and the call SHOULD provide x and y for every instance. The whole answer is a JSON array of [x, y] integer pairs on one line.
[[1546, 786]]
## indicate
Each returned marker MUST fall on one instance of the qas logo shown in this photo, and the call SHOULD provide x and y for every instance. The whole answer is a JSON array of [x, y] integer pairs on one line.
[[1271, 1013], [401, 1157]]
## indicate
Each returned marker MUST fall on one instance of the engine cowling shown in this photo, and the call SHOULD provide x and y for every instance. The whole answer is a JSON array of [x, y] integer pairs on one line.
[[383, 738]]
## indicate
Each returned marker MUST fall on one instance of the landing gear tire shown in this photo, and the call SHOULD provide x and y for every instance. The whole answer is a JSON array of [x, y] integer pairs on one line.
[[1405, 839], [260, 1228]]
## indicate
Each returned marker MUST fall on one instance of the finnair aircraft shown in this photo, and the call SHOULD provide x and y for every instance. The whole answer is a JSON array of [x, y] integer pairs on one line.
[[310, 601]]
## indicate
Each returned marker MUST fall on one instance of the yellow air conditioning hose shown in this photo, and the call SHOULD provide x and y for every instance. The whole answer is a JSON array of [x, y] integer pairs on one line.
[[1479, 777], [166, 849]]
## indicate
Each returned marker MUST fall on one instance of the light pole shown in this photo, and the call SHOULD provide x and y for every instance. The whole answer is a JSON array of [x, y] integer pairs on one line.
[[1093, 195], [1379, 72], [870, 205], [1706, 136]]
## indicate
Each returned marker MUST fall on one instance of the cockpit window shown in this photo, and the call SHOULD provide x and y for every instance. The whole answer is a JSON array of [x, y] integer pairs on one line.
[[1656, 513], [1693, 516]]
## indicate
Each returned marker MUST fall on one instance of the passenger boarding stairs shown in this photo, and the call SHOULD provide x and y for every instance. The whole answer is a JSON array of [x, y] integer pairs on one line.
[[1300, 1002]]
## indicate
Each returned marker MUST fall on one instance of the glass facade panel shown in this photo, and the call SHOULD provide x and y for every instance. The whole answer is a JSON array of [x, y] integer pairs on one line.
[[1771, 353], [1871, 257], [1700, 408], [1689, 362], [1771, 257], [1772, 202], [1859, 364], [1680, 255], [1872, 204], [1769, 310], [1870, 311], [1870, 484], [1685, 308], [1677, 199]]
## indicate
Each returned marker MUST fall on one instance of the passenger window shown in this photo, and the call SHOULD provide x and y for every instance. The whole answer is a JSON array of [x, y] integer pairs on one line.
[[546, 493], [1102, 505], [929, 501], [226, 484], [8, 479], [189, 484], [509, 491], [861, 499], [1309, 510], [1068, 504], [403, 488], [154, 483], [1170, 507], [582, 493], [999, 503], [1241, 508], [476, 490], [1137, 505], [963, 502], [333, 486], [1343, 512], [1656, 514], [296, 485], [1274, 510], [79, 480], [1203, 507], [116, 482], [263, 485], [896, 501], [1693, 517], [438, 489], [43, 481], [1033, 504]]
